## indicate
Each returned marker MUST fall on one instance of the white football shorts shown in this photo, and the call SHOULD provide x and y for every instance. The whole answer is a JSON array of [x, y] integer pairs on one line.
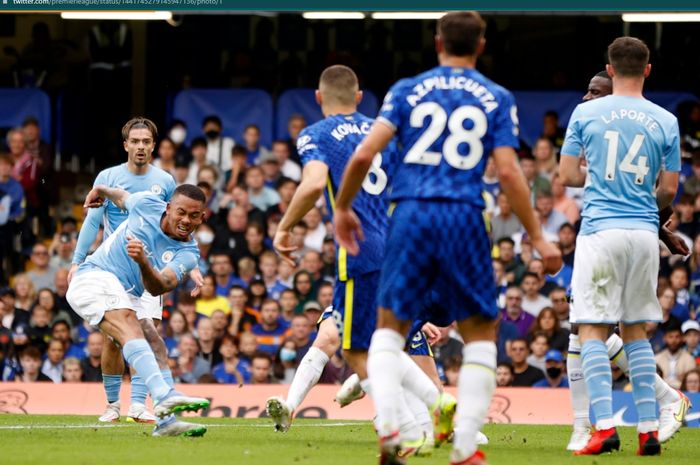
[[151, 307], [94, 292]]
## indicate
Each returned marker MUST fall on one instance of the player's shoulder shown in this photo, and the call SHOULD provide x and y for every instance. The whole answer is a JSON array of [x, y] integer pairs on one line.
[[661, 113], [310, 135], [499, 91], [110, 174]]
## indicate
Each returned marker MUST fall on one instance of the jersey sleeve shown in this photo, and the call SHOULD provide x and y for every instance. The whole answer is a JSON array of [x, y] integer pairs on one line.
[[390, 112], [506, 129], [308, 147], [672, 155], [573, 143], [141, 201], [183, 262], [169, 187]]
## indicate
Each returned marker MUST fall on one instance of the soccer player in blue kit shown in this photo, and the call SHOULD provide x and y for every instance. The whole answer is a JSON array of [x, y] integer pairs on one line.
[[630, 145], [447, 121], [151, 250], [136, 175], [325, 148]]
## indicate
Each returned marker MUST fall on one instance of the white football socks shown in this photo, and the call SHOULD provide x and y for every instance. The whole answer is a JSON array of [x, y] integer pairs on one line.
[[384, 372], [577, 385], [306, 376]]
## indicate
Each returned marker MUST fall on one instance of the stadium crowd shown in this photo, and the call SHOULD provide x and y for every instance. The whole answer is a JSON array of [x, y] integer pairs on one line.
[[255, 317]]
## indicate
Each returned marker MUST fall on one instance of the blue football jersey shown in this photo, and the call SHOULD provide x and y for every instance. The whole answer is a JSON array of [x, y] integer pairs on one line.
[[627, 141], [447, 122], [332, 141], [156, 180], [145, 211]]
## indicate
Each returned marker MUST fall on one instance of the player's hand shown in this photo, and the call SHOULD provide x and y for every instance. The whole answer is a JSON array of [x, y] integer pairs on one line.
[[284, 246], [196, 277], [432, 332], [93, 199], [135, 250], [551, 255], [348, 230], [673, 241], [71, 271]]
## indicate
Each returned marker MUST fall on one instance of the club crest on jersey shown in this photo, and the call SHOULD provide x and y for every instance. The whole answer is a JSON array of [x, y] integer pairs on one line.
[[167, 256], [112, 301], [156, 189]]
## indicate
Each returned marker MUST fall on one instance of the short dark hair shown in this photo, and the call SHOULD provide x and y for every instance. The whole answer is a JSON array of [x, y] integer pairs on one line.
[[139, 122], [30, 121], [198, 142], [628, 56], [190, 191], [567, 225], [339, 85], [31, 352], [529, 274], [212, 119], [603, 74], [251, 126], [505, 239], [460, 32], [239, 150], [552, 114], [284, 180], [260, 354]]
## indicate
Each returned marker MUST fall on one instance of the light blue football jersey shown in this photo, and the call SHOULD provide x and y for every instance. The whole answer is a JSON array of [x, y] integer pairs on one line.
[[627, 141], [156, 180], [145, 211]]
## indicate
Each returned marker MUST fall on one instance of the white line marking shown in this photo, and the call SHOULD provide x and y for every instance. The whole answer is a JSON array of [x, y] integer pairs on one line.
[[208, 425]]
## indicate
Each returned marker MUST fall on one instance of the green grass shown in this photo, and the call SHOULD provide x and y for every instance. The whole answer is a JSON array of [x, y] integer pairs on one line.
[[75, 440]]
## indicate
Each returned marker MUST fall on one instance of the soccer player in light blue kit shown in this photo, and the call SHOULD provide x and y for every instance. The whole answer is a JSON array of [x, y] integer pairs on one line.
[[447, 121], [136, 175], [151, 250], [630, 145]]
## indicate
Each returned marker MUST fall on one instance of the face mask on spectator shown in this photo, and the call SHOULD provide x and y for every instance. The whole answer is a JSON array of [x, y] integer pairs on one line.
[[212, 134], [288, 355], [553, 372], [178, 135], [205, 237]]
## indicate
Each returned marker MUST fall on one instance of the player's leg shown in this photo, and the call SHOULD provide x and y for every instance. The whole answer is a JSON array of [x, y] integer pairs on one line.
[[580, 404], [112, 365], [308, 373], [599, 277]]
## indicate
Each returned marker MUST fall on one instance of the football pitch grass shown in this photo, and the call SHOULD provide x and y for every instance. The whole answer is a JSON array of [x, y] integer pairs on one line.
[[79, 440]]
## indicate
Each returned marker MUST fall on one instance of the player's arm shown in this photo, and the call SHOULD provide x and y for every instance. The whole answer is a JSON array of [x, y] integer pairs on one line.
[[88, 233], [571, 173], [347, 225], [98, 194], [312, 184], [666, 189], [515, 186], [155, 282]]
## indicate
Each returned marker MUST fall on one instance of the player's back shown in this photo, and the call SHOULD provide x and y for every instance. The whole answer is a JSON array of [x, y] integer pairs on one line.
[[155, 180], [447, 122], [627, 141], [333, 141]]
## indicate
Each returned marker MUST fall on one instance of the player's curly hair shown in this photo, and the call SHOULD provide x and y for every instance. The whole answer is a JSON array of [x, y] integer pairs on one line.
[[139, 122]]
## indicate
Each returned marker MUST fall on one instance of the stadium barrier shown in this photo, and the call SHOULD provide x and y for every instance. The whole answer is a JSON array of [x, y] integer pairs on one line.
[[509, 405]]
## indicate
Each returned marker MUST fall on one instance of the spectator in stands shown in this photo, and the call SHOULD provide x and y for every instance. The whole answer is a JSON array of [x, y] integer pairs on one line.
[[324, 295], [534, 180], [560, 305], [507, 332], [182, 171], [26, 170], [272, 329], [208, 345], [303, 287], [523, 374], [177, 134], [247, 346], [563, 203], [490, 180], [239, 163], [328, 257], [35, 146], [548, 324], [90, 364], [514, 313], [674, 360], [25, 292], [311, 262], [42, 274], [336, 371], [261, 196], [205, 243], [257, 293], [312, 310], [219, 322], [189, 366], [545, 158], [691, 381], [218, 146], [271, 169], [679, 283], [504, 375], [268, 268], [302, 336], [551, 128], [47, 299], [295, 124], [285, 188], [285, 364], [452, 367], [505, 223], [11, 316], [316, 230], [546, 283], [247, 270], [299, 231], [208, 301], [687, 217], [514, 268], [166, 155], [53, 365], [555, 376], [533, 301], [567, 243], [241, 198], [72, 371], [243, 318], [60, 331], [210, 175], [222, 269], [30, 363], [691, 186], [620, 380], [255, 238], [539, 346], [550, 218], [177, 326], [289, 168], [61, 251], [199, 159], [230, 238], [691, 338], [261, 368], [10, 189], [288, 303], [256, 152], [231, 370]]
